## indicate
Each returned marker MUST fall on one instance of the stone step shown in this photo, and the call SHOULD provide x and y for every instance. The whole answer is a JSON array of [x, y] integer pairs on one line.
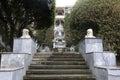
[[59, 62], [57, 55], [58, 59], [58, 67], [58, 71], [60, 77]]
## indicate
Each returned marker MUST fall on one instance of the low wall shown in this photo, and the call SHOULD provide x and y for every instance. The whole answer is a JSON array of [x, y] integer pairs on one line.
[[15, 60], [11, 73], [107, 73], [100, 59]]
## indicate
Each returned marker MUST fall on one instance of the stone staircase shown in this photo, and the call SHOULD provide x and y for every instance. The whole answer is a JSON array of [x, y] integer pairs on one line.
[[58, 66]]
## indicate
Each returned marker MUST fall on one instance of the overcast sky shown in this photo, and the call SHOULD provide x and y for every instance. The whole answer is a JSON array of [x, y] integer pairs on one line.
[[65, 2]]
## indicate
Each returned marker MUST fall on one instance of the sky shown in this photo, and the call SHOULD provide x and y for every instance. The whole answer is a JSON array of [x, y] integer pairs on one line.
[[65, 2]]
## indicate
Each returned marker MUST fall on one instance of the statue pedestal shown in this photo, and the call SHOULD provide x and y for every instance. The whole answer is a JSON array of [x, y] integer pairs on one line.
[[24, 45], [88, 45]]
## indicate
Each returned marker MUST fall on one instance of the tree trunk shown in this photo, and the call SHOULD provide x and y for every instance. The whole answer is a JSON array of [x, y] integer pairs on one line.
[[9, 46]]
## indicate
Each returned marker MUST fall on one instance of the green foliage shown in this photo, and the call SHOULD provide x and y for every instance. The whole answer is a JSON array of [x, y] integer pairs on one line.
[[103, 16], [45, 36], [49, 37]]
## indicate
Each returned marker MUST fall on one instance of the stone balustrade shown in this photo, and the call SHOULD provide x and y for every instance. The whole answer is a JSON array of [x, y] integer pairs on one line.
[[14, 64], [101, 63]]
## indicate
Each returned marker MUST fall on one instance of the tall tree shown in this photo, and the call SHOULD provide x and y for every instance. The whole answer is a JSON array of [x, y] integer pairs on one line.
[[18, 14], [103, 16]]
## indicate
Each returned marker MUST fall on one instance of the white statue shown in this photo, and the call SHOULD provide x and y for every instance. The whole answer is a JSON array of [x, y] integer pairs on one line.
[[89, 34], [25, 34], [55, 31], [60, 27], [58, 31]]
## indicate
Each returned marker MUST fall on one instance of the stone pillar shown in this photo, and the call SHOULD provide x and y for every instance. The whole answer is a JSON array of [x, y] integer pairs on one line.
[[26, 45], [90, 44]]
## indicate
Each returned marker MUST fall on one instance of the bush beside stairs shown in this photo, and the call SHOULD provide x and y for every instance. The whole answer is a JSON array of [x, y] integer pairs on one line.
[[58, 66]]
